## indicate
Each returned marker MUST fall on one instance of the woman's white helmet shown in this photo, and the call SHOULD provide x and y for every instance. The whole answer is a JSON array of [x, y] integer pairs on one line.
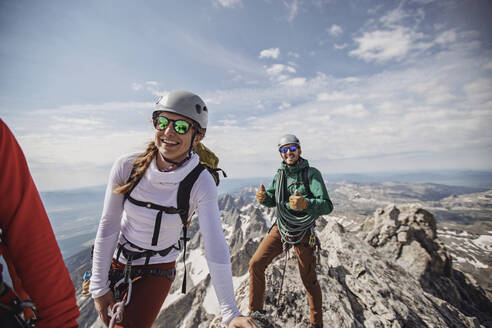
[[288, 139], [186, 104]]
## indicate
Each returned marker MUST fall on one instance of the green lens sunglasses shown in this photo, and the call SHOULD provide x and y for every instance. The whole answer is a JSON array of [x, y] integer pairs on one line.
[[180, 126]]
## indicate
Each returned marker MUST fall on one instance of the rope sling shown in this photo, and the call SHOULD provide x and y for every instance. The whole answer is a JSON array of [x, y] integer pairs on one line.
[[292, 228]]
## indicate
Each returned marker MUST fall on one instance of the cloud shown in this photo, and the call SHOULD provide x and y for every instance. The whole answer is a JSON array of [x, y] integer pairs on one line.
[[434, 90], [335, 30], [352, 111], [384, 45], [480, 90], [76, 124], [215, 54], [295, 82], [270, 53], [334, 96], [292, 7], [284, 105], [280, 72], [394, 17], [293, 54], [149, 86], [228, 3], [446, 37], [400, 118], [340, 46]]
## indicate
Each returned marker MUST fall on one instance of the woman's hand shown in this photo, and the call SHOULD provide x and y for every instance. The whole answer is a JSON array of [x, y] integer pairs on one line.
[[242, 322], [101, 304]]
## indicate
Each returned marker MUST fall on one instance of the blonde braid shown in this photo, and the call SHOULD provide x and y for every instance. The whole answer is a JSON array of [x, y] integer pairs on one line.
[[140, 165]]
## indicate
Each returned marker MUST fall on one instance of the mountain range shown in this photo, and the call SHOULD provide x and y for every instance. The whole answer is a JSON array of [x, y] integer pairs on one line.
[[393, 255]]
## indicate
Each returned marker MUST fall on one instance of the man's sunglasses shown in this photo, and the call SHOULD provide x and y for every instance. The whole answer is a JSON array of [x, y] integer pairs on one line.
[[180, 126], [292, 148]]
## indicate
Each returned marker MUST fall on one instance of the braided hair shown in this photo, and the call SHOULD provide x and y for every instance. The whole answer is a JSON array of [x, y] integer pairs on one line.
[[140, 165]]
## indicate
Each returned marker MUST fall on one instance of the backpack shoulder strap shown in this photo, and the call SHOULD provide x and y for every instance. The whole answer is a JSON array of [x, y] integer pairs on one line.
[[305, 181], [184, 192]]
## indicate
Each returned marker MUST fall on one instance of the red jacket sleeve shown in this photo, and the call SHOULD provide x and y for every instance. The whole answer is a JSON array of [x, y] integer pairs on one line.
[[30, 240]]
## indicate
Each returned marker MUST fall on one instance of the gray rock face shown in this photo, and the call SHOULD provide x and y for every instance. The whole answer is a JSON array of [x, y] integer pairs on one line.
[[407, 234], [394, 272], [363, 288], [190, 305]]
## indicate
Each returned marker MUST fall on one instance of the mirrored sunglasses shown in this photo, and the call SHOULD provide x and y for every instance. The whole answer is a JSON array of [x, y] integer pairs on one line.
[[180, 126], [292, 148]]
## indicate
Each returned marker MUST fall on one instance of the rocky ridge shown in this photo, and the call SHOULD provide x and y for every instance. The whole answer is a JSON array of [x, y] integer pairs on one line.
[[393, 272], [388, 270]]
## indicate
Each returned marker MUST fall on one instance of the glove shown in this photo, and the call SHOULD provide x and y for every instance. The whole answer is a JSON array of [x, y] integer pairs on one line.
[[261, 194], [297, 202]]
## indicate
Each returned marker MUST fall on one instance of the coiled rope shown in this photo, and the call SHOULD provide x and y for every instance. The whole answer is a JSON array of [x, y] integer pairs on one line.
[[292, 228]]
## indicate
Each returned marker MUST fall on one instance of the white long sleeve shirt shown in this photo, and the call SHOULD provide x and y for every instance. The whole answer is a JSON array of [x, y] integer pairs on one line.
[[121, 218]]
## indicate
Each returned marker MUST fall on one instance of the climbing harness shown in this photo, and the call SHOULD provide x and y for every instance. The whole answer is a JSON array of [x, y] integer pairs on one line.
[[121, 281], [183, 206]]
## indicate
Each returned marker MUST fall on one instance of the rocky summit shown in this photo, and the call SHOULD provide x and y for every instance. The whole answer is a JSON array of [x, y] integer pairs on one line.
[[391, 272], [389, 269]]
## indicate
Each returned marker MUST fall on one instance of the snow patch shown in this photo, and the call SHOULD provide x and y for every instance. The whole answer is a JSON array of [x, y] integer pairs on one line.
[[471, 261], [210, 303], [171, 298], [484, 242], [198, 269]]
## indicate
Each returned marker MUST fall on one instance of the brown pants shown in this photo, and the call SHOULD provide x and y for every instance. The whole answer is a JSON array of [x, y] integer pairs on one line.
[[148, 294], [271, 247]]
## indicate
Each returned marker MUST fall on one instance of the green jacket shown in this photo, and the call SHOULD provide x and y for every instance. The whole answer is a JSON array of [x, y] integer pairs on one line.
[[319, 205]]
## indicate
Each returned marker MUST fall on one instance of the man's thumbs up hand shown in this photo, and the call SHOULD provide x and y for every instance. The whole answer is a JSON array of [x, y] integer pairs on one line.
[[261, 194], [297, 202]]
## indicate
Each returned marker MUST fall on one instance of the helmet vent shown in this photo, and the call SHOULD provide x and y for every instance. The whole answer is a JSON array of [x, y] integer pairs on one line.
[[198, 108], [205, 109]]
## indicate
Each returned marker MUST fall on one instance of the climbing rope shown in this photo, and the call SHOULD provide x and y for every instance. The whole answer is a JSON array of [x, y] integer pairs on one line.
[[292, 228], [117, 313]]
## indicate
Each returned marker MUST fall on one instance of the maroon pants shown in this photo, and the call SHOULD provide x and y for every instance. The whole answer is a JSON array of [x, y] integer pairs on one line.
[[271, 247], [148, 294]]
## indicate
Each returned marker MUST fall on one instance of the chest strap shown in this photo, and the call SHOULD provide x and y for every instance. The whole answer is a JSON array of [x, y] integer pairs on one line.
[[158, 218]]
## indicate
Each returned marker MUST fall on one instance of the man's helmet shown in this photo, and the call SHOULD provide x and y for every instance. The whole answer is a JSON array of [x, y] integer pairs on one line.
[[288, 139], [186, 104]]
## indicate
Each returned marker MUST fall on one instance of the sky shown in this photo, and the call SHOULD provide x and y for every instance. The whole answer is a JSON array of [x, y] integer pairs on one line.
[[367, 86]]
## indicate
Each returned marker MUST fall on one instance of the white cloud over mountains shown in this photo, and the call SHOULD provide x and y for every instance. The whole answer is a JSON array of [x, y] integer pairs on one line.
[[335, 30], [397, 95], [384, 45], [228, 3], [292, 8], [270, 53]]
